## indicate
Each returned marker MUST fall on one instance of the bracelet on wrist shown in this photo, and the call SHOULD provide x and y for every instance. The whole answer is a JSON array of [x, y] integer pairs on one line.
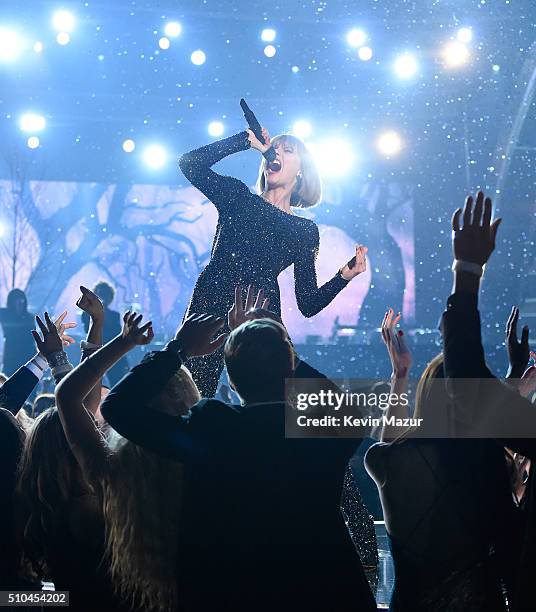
[[459, 265], [59, 358]]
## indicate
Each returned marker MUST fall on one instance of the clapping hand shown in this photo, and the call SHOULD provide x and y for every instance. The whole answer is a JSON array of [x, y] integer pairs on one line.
[[399, 353], [357, 264], [134, 335], [90, 303], [196, 333], [239, 311], [475, 242]]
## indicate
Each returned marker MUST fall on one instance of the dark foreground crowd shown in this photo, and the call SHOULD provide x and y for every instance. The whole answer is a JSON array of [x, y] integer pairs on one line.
[[149, 497]]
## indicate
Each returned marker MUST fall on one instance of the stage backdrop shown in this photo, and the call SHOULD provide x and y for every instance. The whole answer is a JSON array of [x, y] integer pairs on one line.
[[151, 242]]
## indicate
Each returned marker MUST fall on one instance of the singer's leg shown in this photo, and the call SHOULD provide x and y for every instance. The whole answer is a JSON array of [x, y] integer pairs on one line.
[[206, 372]]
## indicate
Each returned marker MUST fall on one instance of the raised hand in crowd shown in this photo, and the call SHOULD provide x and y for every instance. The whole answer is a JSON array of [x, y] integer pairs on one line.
[[132, 334], [51, 341], [475, 241], [196, 335], [401, 361], [89, 302], [527, 383], [394, 340], [240, 311], [357, 264], [518, 350], [62, 327]]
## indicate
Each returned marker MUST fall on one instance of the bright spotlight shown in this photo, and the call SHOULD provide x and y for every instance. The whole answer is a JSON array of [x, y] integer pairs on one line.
[[30, 122], [302, 129], [333, 157], [269, 51], [406, 66], [38, 47], [129, 145], [268, 35], [216, 128], [365, 54], [10, 45], [63, 38], [173, 29], [198, 57], [33, 142], [465, 35], [455, 54], [164, 43], [155, 156], [356, 38], [63, 21], [389, 144]]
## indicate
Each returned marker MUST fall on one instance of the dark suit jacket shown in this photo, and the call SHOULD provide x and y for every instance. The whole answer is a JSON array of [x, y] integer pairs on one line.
[[261, 522], [464, 358], [17, 388]]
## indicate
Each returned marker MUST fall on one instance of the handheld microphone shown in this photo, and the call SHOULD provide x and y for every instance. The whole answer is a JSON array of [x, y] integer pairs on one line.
[[256, 128]]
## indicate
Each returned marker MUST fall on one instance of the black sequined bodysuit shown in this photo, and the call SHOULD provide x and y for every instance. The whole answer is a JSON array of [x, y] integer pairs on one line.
[[254, 243]]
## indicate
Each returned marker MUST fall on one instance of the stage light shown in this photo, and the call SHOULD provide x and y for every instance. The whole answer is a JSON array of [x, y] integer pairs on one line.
[[495, 67], [269, 51], [268, 35], [216, 128], [389, 143], [465, 35], [129, 145], [30, 122], [198, 57], [356, 38], [63, 38], [332, 157], [302, 129], [455, 54], [295, 69], [173, 29], [365, 54], [164, 43], [63, 21], [406, 66], [10, 45], [33, 142], [155, 156], [38, 47]]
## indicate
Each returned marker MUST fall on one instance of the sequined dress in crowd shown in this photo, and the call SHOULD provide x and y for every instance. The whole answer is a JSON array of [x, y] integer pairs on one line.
[[254, 242]]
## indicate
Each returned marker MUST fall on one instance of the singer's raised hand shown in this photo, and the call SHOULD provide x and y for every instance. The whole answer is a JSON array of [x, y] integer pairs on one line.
[[256, 143]]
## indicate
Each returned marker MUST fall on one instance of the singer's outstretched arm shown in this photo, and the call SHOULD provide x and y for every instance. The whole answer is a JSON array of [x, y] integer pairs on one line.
[[222, 191], [310, 297]]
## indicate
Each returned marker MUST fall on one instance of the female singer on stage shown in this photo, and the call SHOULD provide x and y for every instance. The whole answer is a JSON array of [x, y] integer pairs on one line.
[[259, 236]]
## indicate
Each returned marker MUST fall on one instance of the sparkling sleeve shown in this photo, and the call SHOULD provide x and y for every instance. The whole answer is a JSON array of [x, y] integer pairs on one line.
[[312, 299], [222, 191]]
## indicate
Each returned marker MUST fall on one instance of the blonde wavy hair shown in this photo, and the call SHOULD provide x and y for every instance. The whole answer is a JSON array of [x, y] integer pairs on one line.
[[48, 474], [142, 502], [308, 191]]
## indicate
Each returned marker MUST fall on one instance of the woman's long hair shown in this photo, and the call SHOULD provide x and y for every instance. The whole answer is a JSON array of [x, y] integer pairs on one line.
[[48, 474], [142, 500], [308, 190]]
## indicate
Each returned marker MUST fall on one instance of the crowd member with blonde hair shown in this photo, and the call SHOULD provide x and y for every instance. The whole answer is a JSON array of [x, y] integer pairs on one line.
[[140, 491], [259, 235]]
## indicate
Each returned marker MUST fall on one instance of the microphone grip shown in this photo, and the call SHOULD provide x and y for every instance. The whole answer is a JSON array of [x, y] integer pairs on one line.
[[270, 154]]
